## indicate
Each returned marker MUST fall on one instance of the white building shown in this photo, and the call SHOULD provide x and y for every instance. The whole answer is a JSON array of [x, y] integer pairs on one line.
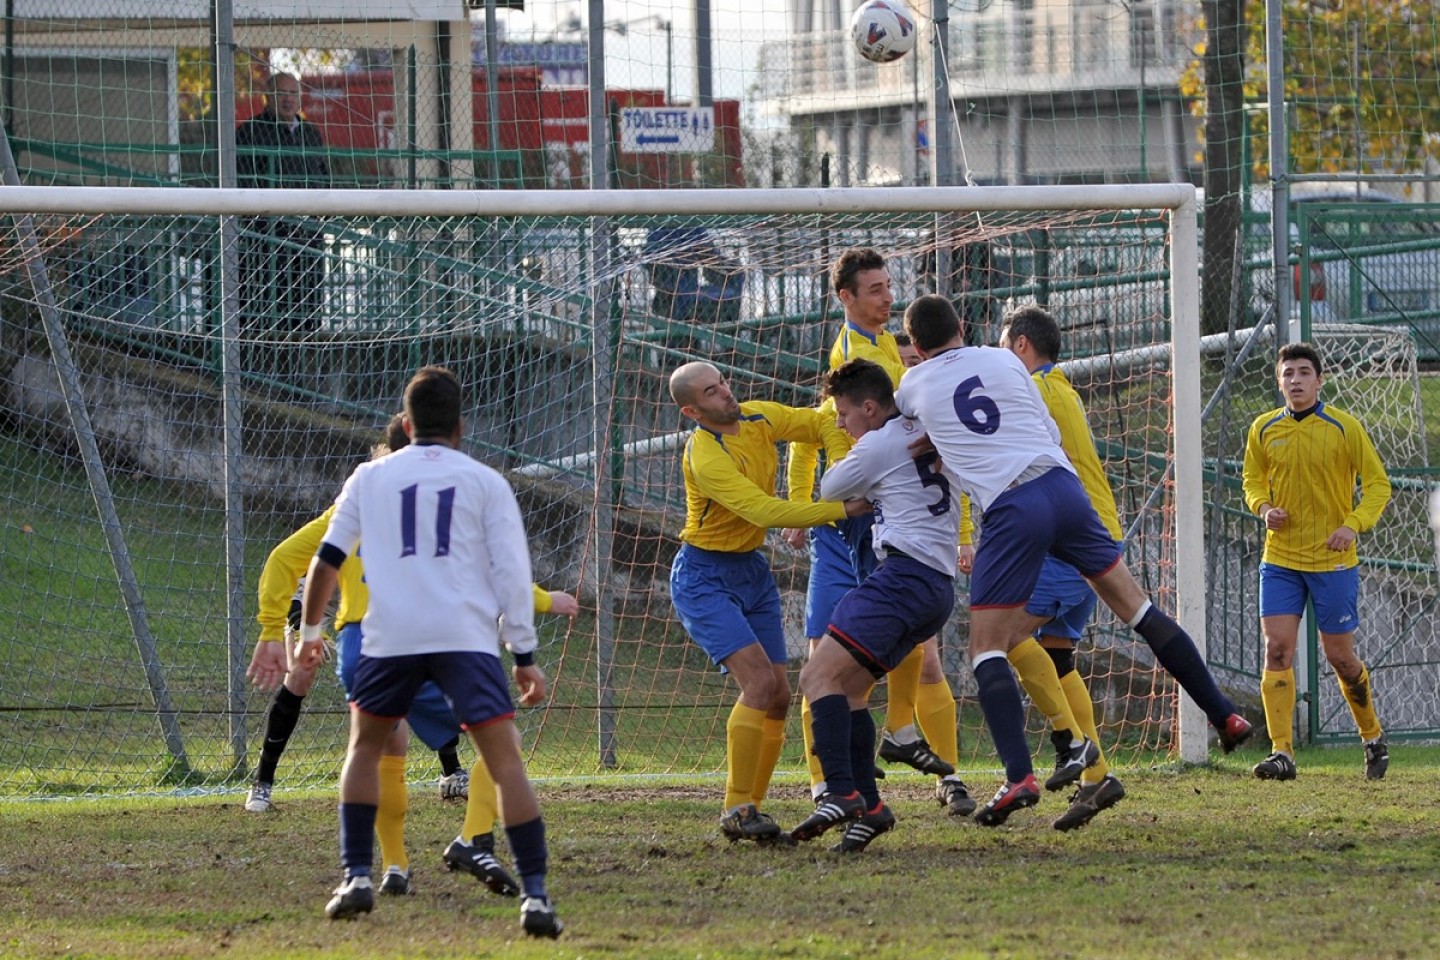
[[1043, 91]]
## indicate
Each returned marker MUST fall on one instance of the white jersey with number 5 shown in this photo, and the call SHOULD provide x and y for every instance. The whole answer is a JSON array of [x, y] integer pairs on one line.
[[446, 558], [914, 510], [984, 415]]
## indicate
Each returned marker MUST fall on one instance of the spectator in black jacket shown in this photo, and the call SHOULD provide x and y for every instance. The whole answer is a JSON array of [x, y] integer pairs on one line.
[[282, 263]]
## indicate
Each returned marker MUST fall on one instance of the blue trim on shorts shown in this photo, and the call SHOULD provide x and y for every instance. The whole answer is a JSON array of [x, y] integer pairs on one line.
[[727, 601], [1334, 595]]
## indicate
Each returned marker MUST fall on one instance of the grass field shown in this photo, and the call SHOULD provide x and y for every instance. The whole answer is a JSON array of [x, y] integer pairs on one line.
[[1204, 863]]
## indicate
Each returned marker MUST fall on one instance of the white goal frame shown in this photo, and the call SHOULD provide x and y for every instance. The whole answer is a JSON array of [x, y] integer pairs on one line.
[[1178, 199]]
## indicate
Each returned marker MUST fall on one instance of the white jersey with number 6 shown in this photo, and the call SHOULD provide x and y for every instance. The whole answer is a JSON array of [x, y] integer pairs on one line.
[[914, 510], [446, 558], [984, 415]]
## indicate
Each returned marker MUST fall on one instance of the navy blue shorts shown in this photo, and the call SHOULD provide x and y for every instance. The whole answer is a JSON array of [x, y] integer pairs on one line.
[[473, 683], [430, 715], [727, 601], [1064, 598], [1050, 515], [898, 607]]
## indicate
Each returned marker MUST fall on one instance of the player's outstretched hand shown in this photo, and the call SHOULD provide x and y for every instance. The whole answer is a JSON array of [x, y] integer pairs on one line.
[[531, 681], [563, 603], [309, 655], [920, 446], [795, 536], [1340, 539], [267, 665], [858, 507], [965, 557]]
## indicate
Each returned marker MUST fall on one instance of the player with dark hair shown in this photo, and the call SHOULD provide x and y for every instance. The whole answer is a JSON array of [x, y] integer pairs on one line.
[[1061, 594], [720, 581], [909, 356], [1302, 462], [449, 573], [841, 556], [903, 602], [473, 850], [983, 413]]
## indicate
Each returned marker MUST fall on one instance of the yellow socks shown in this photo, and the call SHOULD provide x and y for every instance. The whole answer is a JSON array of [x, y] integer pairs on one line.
[[817, 775], [482, 808], [1277, 692], [1362, 704], [903, 682], [744, 733], [1083, 709], [390, 818], [935, 710], [772, 741], [1038, 677]]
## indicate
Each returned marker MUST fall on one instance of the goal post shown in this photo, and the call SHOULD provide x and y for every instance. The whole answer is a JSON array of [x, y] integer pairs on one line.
[[563, 312]]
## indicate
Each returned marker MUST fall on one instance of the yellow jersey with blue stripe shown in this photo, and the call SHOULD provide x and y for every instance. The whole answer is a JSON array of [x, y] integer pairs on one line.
[[289, 561], [1308, 465], [730, 478], [1068, 411], [853, 343]]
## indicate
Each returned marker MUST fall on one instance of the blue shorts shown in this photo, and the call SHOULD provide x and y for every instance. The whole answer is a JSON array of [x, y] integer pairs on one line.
[[832, 575], [1335, 594], [473, 683], [859, 535], [1063, 596], [1050, 515], [727, 601], [430, 715], [898, 607], [841, 557]]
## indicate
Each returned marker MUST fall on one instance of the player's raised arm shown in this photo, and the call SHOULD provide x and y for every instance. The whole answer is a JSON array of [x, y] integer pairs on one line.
[[717, 477]]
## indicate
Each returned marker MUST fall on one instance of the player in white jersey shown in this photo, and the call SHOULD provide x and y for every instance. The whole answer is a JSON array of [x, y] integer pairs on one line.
[[985, 417], [448, 567], [903, 603]]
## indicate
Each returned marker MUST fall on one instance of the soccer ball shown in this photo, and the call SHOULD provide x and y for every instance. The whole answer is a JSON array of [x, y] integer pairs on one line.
[[883, 30]]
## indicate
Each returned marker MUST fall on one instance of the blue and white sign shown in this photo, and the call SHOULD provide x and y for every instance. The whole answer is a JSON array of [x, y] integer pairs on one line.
[[667, 129]]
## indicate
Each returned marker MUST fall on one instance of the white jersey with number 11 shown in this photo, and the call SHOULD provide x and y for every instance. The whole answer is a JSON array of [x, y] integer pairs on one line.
[[445, 553]]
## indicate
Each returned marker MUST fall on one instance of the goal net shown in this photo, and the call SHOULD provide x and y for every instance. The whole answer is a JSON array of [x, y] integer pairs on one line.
[[190, 375], [1373, 373]]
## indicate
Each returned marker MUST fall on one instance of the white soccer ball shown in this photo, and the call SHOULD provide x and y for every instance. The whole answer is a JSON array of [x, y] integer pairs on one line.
[[884, 30]]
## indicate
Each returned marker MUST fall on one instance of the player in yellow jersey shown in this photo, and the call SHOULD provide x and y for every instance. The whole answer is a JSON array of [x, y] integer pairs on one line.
[[431, 718], [1302, 462], [1062, 601], [1062, 595], [720, 581], [841, 556]]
